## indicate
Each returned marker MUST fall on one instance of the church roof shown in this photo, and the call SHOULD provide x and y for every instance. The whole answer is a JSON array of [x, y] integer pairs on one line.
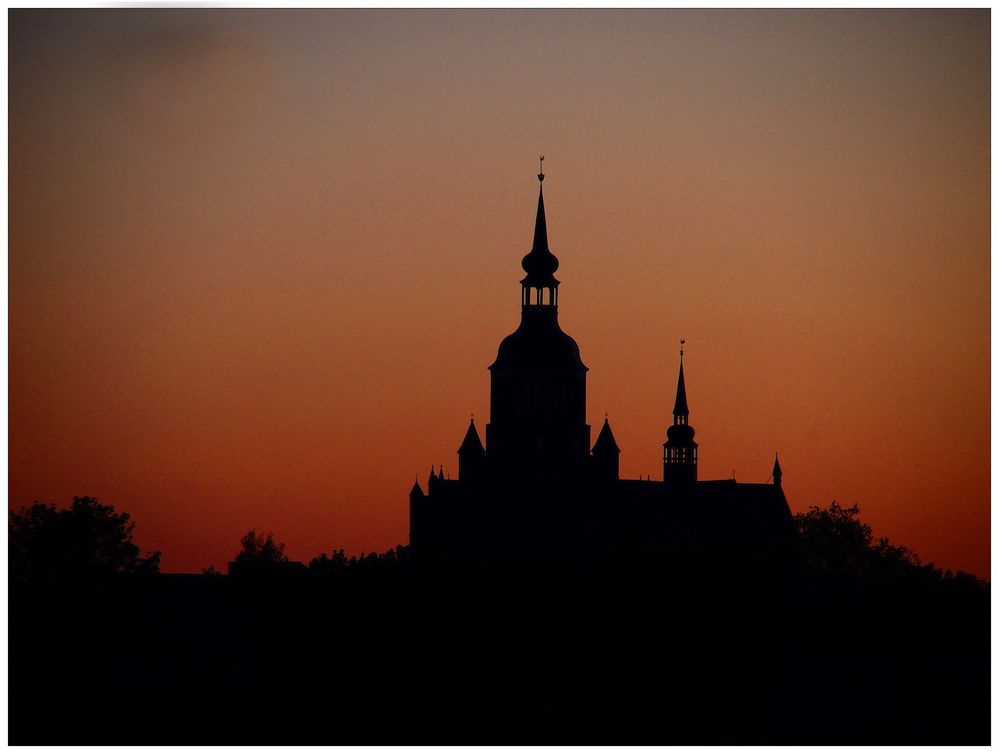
[[680, 406], [471, 443], [605, 441], [540, 264]]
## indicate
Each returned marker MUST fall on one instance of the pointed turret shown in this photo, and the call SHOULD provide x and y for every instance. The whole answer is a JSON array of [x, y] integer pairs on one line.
[[606, 454], [471, 455], [471, 444], [605, 440], [416, 492], [777, 472]]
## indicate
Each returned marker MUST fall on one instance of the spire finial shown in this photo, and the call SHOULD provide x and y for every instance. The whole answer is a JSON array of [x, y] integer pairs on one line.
[[682, 341], [541, 170]]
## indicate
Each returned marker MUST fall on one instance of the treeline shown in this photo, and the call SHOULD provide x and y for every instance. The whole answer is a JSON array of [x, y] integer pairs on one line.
[[850, 640], [89, 540]]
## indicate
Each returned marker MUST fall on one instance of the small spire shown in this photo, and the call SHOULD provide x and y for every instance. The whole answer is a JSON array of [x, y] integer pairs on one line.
[[540, 245], [433, 476], [777, 472]]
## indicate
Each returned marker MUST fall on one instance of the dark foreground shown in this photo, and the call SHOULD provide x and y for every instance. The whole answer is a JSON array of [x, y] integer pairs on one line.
[[649, 647]]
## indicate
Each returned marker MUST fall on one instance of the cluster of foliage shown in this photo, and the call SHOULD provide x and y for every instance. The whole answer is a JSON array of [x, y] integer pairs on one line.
[[834, 542], [337, 561], [261, 554], [84, 542], [260, 549]]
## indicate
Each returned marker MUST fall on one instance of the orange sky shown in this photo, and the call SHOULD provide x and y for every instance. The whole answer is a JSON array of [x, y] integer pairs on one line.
[[260, 260]]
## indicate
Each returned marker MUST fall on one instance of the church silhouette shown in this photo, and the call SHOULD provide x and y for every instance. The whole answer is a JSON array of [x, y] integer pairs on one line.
[[537, 485]]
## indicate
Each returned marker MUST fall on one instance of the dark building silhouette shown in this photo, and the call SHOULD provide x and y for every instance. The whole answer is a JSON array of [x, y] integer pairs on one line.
[[537, 483]]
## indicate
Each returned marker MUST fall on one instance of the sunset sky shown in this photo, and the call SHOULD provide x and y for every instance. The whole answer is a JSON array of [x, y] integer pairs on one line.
[[260, 260]]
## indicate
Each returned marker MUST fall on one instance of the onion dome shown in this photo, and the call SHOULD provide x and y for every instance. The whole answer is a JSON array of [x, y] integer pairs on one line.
[[680, 434]]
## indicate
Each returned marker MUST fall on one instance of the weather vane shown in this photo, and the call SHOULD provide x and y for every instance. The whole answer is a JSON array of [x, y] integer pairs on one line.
[[682, 341], [541, 174]]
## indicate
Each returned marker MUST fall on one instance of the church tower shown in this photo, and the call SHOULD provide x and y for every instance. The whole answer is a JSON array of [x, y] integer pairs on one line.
[[537, 425], [680, 450]]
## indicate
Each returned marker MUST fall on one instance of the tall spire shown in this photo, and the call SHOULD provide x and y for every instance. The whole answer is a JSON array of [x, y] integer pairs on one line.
[[540, 264], [680, 406], [777, 472]]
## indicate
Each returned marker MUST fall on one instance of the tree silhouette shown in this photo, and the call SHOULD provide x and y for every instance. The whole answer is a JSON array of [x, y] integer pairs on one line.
[[835, 541], [336, 562], [260, 549], [86, 541]]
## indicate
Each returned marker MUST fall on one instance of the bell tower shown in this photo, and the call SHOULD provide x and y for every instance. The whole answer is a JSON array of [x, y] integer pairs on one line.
[[537, 398], [680, 450]]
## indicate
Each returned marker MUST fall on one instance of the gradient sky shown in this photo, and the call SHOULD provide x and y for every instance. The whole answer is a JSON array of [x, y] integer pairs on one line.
[[260, 260]]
